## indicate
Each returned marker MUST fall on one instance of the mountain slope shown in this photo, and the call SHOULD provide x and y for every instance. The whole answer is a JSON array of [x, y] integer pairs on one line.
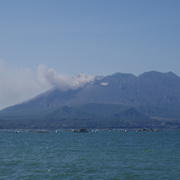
[[85, 116], [152, 94]]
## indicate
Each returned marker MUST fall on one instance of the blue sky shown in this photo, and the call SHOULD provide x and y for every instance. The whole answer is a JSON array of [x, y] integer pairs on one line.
[[98, 37]]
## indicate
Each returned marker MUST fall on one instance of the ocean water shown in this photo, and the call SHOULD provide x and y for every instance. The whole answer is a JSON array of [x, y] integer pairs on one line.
[[102, 155]]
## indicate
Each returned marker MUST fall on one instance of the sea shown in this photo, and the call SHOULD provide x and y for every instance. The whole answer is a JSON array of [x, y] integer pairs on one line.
[[101, 155]]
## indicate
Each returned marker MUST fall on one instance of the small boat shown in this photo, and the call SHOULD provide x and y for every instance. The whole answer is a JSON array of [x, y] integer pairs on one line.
[[81, 130], [42, 131]]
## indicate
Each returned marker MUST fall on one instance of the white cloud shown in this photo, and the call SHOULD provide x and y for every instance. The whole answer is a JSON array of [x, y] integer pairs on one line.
[[17, 85]]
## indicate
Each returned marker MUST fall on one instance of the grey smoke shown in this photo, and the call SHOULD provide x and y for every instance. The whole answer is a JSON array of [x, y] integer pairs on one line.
[[20, 84], [64, 82]]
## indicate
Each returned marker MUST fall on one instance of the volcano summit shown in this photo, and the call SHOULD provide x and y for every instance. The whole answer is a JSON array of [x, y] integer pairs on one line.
[[119, 100]]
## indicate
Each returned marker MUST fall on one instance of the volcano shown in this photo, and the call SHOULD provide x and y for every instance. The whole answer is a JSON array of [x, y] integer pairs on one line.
[[120, 100]]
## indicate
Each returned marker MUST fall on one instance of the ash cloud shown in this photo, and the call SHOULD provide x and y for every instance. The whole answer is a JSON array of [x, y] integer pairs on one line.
[[64, 82], [18, 84], [21, 84]]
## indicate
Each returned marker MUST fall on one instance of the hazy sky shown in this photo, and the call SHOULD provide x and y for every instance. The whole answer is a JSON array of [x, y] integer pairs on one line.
[[97, 37]]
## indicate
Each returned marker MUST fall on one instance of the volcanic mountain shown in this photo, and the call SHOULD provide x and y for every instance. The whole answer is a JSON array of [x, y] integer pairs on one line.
[[151, 99]]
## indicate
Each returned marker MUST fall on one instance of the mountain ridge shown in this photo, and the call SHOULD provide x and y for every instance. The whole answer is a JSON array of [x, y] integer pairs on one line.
[[151, 94]]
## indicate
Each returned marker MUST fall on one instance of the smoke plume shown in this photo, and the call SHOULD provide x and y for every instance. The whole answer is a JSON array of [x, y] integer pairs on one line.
[[64, 82], [20, 84]]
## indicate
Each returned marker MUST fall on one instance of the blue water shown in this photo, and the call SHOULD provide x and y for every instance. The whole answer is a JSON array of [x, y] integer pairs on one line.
[[103, 155]]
